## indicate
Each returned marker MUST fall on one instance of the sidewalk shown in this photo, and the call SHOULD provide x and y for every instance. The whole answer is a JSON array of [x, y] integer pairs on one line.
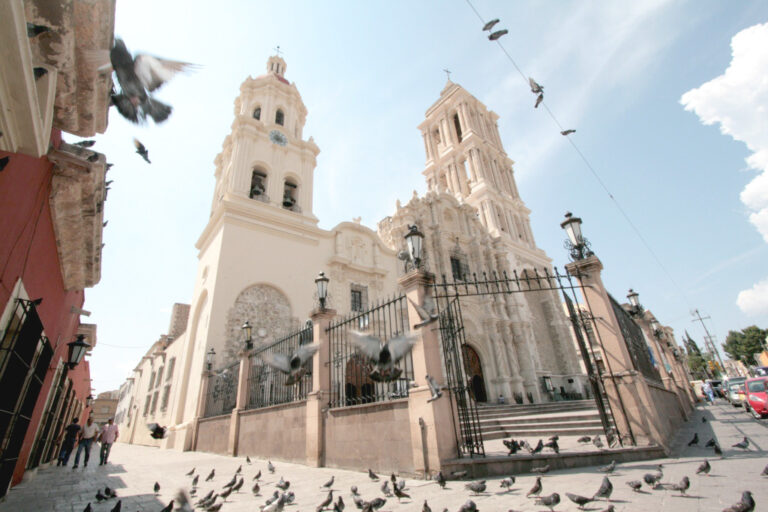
[[134, 470]]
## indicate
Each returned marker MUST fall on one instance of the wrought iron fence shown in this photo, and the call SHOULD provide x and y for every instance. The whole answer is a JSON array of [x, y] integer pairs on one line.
[[222, 390], [266, 385], [636, 344], [351, 382]]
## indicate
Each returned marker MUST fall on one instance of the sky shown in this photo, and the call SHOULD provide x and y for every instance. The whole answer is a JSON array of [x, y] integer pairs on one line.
[[668, 98]]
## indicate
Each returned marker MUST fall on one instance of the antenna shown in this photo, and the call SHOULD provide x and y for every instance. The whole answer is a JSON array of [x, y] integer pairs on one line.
[[448, 74]]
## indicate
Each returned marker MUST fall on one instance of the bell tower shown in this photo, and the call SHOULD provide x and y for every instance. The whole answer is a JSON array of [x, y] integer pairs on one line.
[[465, 157]]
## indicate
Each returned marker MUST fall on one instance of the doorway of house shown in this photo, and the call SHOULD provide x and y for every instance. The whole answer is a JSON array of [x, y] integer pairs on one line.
[[475, 370]]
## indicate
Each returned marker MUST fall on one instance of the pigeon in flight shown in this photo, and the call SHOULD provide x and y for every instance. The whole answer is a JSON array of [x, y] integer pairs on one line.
[[567, 132], [384, 356], [695, 440], [141, 150], [746, 504], [497, 34], [579, 500], [744, 444], [157, 432], [535, 87], [539, 99], [292, 365], [434, 388], [427, 311], [549, 501], [704, 468], [488, 26]]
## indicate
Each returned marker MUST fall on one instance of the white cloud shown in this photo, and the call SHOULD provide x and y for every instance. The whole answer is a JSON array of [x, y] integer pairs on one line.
[[755, 300], [738, 101]]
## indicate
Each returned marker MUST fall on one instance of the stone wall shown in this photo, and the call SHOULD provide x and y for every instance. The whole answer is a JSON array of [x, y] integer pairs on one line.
[[668, 412], [213, 434], [278, 432], [375, 436]]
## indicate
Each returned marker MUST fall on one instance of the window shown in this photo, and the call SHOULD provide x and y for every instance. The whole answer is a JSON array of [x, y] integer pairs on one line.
[[159, 377], [436, 136], [169, 372], [457, 124], [356, 300], [279, 117], [258, 185], [146, 404], [290, 190], [459, 269], [154, 402], [151, 380], [257, 113], [164, 401]]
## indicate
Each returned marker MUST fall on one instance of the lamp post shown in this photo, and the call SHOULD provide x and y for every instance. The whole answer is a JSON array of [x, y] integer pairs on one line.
[[634, 302], [77, 350], [247, 330], [89, 400], [656, 328], [209, 356], [576, 243], [415, 240], [321, 281]]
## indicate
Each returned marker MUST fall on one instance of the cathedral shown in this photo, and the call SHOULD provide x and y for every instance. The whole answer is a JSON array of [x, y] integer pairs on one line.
[[262, 249]]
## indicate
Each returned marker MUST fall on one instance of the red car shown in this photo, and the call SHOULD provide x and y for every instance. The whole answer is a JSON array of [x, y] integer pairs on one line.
[[756, 396]]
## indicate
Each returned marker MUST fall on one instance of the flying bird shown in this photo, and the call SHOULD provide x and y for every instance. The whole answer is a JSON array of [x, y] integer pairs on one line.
[[704, 468], [539, 99], [536, 489], [427, 311], [141, 150], [292, 365], [488, 26], [434, 388], [535, 87], [567, 132], [497, 34], [746, 504], [157, 432], [549, 501], [385, 356], [605, 490], [579, 500], [695, 440], [744, 444]]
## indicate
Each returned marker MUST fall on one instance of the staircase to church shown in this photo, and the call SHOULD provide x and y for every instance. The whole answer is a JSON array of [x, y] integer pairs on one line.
[[567, 418]]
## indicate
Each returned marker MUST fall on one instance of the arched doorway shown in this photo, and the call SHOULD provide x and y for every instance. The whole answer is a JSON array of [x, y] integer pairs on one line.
[[475, 374]]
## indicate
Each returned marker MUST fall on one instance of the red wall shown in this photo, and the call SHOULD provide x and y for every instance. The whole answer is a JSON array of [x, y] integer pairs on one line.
[[26, 235]]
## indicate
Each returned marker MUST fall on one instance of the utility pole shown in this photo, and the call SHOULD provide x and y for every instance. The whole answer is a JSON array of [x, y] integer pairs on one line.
[[708, 339]]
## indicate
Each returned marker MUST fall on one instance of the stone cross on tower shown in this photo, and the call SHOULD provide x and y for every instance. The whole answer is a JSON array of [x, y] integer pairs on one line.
[[278, 51], [448, 74]]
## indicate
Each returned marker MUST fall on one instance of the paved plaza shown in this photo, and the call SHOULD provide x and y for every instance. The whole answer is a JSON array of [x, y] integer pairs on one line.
[[134, 470]]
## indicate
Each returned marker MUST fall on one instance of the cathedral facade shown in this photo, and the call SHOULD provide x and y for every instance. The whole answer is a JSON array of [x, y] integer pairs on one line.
[[261, 251]]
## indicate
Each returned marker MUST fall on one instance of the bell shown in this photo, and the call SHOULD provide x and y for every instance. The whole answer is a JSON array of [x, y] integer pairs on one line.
[[257, 191], [288, 202]]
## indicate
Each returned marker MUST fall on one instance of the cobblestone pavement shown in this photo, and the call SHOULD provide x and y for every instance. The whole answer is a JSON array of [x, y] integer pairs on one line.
[[134, 470]]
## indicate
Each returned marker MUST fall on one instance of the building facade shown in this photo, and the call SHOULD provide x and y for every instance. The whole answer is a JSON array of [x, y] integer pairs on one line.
[[261, 251], [104, 406]]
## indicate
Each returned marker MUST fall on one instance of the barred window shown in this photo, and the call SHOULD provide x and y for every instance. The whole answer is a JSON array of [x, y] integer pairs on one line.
[[459, 269], [357, 300], [358, 297]]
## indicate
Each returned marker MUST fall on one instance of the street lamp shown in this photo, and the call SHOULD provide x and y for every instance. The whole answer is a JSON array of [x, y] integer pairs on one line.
[[89, 400], [77, 350], [656, 328], [322, 288], [576, 243], [634, 302], [415, 240], [247, 329], [209, 358]]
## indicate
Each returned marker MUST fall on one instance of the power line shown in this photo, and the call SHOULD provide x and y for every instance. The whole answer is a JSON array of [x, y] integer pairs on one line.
[[591, 169]]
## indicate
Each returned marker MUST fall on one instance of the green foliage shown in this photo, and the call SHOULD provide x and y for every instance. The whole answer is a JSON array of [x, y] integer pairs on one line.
[[744, 344], [698, 366]]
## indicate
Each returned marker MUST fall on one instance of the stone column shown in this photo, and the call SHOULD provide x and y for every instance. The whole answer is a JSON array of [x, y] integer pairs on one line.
[[634, 414], [241, 402], [200, 411], [432, 423], [318, 398]]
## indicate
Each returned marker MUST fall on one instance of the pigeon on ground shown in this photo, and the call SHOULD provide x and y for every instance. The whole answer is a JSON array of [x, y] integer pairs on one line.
[[539, 99], [195, 480], [255, 489], [583, 439], [579, 500], [358, 501], [275, 496], [598, 442], [225, 493], [157, 488], [35, 30], [118, 506], [339, 505], [476, 487], [141, 150], [353, 490], [427, 311], [231, 482], [507, 483], [89, 509], [239, 470], [746, 504], [703, 419], [610, 508], [400, 494], [168, 508], [440, 478], [110, 493], [539, 447], [426, 507], [609, 468], [257, 475], [85, 143], [290, 498], [270, 466], [385, 489], [327, 501], [458, 474], [683, 486], [765, 471], [400, 485], [191, 472], [704, 468], [434, 388], [100, 497], [3, 162], [208, 502], [329, 483], [605, 490], [554, 438], [497, 34], [247, 459], [469, 506], [283, 484], [214, 508], [695, 440], [376, 503], [744, 444], [536, 489], [567, 132], [385, 356], [549, 501], [542, 469], [373, 476], [636, 485], [238, 485], [293, 365], [717, 450], [488, 26], [651, 479], [205, 498], [710, 443]]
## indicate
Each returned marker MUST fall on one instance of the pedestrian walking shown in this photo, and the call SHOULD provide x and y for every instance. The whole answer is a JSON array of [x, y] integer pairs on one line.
[[706, 388], [70, 437], [87, 435], [108, 436]]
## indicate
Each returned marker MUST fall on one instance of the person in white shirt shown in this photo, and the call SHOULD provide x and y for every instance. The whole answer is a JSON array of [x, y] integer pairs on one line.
[[86, 437]]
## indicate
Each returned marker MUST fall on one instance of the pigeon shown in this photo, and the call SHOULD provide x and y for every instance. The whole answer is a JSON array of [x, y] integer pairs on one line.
[[746, 504], [542, 469], [358, 502], [440, 478], [605, 490], [206, 497], [695, 440], [191, 472], [339, 505], [565, 133], [3, 162], [717, 450], [744, 444], [274, 498], [184, 503], [247, 459], [553, 445], [283, 484], [711, 442], [270, 466], [383, 356], [141, 150], [427, 311], [426, 507], [290, 498], [610, 508], [225, 493], [609, 468], [85, 143], [583, 439], [239, 470], [476, 487], [238, 485], [168, 508], [385, 489], [512, 445], [539, 99], [704, 468], [157, 488], [327, 501], [549, 501], [373, 476], [579, 500], [399, 493], [497, 34], [376, 503], [434, 388], [353, 490], [208, 502], [554, 438], [535, 87], [195, 480], [507, 483], [636, 485], [536, 489], [598, 442], [89, 509], [214, 508], [400, 485], [488, 26], [35, 30], [539, 447], [653, 478], [257, 475], [292, 365], [329, 483], [93, 158], [118, 506], [231, 482], [469, 506], [39, 72], [683, 486], [256, 489], [110, 493], [394, 479], [765, 471], [100, 497], [458, 474], [703, 419]]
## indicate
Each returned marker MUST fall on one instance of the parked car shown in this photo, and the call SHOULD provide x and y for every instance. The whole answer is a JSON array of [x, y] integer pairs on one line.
[[756, 399], [761, 371], [717, 388], [733, 385]]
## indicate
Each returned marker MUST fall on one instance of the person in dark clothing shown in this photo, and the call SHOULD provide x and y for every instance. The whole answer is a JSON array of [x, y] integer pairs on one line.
[[70, 437]]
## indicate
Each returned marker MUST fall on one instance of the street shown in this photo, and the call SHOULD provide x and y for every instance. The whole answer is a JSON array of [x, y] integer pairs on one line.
[[133, 470]]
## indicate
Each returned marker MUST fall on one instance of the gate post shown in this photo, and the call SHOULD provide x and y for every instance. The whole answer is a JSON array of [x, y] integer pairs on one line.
[[317, 399], [201, 399], [635, 416], [432, 434], [240, 402]]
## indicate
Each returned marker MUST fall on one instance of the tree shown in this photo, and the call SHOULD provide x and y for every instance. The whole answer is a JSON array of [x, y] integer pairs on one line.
[[744, 344], [698, 366]]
